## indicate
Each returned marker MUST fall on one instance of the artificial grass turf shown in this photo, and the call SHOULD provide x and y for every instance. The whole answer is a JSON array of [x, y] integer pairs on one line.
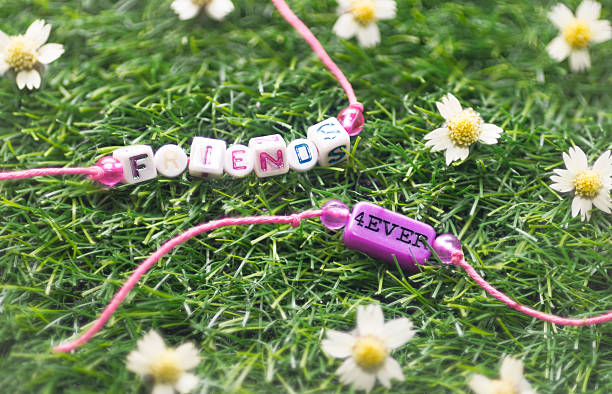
[[257, 300]]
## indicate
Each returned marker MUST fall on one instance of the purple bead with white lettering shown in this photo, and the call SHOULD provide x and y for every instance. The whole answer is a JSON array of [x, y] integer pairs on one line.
[[383, 234]]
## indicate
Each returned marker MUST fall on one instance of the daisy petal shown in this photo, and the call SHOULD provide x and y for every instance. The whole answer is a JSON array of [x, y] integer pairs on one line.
[[188, 356], [346, 26], [385, 9], [338, 344], [185, 9], [50, 52], [344, 6], [3, 66], [186, 383], [588, 11], [449, 107], [579, 60], [582, 206], [162, 389], [512, 370], [4, 40], [370, 320], [603, 201], [392, 369], [490, 134], [562, 184], [480, 384], [438, 140], [558, 49], [369, 35], [576, 161], [218, 9], [38, 32], [601, 31], [138, 364], [151, 345], [561, 16], [29, 79], [603, 165], [397, 332]]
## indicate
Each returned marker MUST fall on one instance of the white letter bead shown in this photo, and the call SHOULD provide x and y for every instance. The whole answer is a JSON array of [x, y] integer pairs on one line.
[[170, 160], [332, 141], [302, 155], [270, 153], [238, 161], [206, 158], [138, 163]]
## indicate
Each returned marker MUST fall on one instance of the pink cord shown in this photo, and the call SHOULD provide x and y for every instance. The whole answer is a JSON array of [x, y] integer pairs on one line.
[[316, 46], [457, 259], [294, 220], [91, 171]]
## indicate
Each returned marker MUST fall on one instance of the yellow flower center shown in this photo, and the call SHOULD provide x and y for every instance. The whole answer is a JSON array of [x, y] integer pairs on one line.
[[364, 11], [200, 2], [369, 352], [587, 183], [577, 34], [465, 127], [166, 369], [500, 386], [21, 54]]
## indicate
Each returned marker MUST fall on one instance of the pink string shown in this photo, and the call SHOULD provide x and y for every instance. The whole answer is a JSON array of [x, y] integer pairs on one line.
[[457, 259], [316, 46], [92, 171], [294, 220]]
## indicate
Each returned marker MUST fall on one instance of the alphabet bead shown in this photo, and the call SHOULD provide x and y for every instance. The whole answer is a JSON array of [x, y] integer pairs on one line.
[[332, 141], [170, 160], [302, 155], [206, 158], [238, 161], [138, 163], [270, 154]]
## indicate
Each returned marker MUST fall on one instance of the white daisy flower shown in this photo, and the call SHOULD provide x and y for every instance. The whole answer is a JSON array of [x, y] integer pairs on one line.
[[577, 33], [216, 9], [359, 17], [27, 54], [591, 185], [167, 366], [367, 349], [511, 380], [463, 127]]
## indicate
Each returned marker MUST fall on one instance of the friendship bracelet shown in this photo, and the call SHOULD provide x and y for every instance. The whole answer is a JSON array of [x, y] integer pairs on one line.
[[328, 143], [374, 230]]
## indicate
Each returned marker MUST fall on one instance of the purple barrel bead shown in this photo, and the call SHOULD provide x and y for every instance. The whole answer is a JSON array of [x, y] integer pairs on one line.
[[383, 234], [335, 214], [444, 246]]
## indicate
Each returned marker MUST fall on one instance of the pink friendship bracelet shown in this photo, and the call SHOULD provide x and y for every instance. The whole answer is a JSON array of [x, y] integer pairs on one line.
[[374, 230], [327, 143]]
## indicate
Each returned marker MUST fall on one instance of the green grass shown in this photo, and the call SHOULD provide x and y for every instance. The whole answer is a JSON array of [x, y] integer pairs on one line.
[[257, 300]]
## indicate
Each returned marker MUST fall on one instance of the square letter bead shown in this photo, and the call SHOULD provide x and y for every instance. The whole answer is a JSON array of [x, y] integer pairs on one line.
[[332, 141], [170, 160], [383, 234], [238, 161], [206, 158], [302, 155], [270, 153], [138, 163]]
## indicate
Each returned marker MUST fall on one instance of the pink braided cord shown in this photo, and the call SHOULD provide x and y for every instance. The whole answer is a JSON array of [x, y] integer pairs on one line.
[[294, 220], [316, 46], [457, 259], [34, 172]]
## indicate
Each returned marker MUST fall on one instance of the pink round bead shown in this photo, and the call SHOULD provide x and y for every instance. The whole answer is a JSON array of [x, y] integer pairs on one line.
[[444, 245], [351, 118], [113, 171], [335, 214]]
